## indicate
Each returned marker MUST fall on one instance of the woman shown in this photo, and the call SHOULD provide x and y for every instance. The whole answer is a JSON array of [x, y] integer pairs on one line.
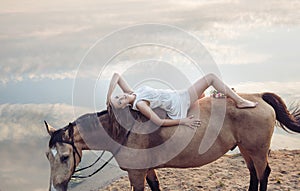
[[176, 103]]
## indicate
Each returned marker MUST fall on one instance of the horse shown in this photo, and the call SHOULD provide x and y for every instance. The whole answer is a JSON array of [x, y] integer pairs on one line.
[[140, 154]]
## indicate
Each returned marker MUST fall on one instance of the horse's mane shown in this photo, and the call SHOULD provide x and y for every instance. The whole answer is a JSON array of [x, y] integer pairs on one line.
[[59, 135], [102, 113], [122, 120]]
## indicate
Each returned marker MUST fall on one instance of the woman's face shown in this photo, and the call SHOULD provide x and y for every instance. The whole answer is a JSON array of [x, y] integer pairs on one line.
[[120, 101]]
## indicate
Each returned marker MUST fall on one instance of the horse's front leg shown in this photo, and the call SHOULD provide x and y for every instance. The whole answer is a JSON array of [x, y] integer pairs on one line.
[[137, 179], [152, 180]]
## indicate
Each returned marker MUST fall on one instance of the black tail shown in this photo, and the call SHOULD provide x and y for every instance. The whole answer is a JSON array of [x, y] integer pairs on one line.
[[286, 119]]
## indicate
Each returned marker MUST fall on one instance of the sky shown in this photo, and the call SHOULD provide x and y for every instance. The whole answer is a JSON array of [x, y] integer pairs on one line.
[[56, 59]]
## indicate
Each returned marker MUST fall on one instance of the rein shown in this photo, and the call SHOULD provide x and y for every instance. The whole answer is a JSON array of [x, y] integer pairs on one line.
[[84, 168], [106, 163]]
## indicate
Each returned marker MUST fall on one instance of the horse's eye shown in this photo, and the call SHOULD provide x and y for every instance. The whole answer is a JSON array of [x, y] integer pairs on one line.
[[117, 97], [64, 158]]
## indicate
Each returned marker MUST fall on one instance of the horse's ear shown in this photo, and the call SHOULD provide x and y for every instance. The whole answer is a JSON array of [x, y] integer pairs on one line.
[[49, 128], [71, 130]]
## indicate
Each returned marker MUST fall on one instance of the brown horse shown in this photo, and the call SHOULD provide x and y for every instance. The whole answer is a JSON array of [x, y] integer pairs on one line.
[[139, 153]]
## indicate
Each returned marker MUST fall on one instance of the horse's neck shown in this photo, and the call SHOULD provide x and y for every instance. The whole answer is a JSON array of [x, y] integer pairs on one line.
[[96, 134]]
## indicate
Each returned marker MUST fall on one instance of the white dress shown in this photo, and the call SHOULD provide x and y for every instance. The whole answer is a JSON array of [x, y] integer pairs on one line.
[[175, 103]]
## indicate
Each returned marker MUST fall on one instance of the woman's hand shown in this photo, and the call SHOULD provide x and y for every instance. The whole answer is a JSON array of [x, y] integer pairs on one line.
[[191, 122]]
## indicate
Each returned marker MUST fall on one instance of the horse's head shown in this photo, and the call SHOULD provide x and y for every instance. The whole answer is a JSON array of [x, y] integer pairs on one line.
[[63, 156]]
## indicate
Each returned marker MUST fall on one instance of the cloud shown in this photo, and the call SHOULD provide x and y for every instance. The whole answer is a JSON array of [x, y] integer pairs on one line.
[[50, 38], [230, 17], [19, 159], [35, 75], [235, 54], [288, 90], [50, 32], [20, 122]]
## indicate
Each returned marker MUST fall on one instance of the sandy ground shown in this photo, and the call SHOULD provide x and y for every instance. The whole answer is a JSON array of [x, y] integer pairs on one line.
[[227, 174]]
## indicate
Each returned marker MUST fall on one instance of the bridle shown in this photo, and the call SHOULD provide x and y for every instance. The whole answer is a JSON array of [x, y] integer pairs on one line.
[[71, 142], [75, 151]]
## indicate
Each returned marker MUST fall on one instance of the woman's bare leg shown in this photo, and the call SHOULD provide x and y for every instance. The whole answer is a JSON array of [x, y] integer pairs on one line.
[[197, 89]]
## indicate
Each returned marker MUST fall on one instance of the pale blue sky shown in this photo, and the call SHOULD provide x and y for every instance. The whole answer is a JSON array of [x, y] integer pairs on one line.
[[255, 45]]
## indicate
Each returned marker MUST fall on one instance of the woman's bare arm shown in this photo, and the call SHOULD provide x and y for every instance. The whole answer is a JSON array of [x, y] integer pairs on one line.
[[117, 79], [149, 113]]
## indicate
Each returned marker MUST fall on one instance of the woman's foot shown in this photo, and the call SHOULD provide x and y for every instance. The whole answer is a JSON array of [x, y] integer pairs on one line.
[[246, 104]]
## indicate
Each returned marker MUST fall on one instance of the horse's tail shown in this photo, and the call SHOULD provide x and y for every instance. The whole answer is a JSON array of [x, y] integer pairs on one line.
[[286, 119]]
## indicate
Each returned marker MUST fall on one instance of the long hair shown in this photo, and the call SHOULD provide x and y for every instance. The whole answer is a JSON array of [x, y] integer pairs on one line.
[[121, 120]]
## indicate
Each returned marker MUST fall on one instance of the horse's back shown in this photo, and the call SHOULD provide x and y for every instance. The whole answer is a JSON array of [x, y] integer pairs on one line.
[[211, 106]]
